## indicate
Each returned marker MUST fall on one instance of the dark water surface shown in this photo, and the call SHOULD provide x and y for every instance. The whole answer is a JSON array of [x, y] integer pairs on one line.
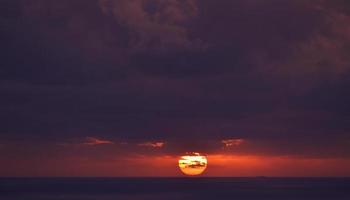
[[174, 188]]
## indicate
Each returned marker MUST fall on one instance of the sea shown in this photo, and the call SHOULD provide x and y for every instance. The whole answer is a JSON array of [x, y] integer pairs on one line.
[[260, 188]]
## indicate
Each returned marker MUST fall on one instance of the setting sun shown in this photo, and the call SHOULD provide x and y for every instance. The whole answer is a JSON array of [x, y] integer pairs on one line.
[[193, 164]]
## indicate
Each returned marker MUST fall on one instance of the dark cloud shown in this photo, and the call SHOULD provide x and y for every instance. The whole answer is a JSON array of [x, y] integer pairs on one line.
[[154, 25], [269, 72]]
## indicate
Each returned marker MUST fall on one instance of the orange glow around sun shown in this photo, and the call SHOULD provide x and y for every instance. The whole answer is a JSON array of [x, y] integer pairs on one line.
[[193, 164]]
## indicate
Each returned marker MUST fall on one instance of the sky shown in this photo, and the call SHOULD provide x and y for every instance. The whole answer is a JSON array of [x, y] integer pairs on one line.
[[125, 87]]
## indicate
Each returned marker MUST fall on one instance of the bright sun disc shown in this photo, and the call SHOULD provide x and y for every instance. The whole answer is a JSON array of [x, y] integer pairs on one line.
[[193, 164]]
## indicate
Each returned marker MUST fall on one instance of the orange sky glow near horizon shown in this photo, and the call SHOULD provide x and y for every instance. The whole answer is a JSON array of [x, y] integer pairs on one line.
[[219, 165]]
